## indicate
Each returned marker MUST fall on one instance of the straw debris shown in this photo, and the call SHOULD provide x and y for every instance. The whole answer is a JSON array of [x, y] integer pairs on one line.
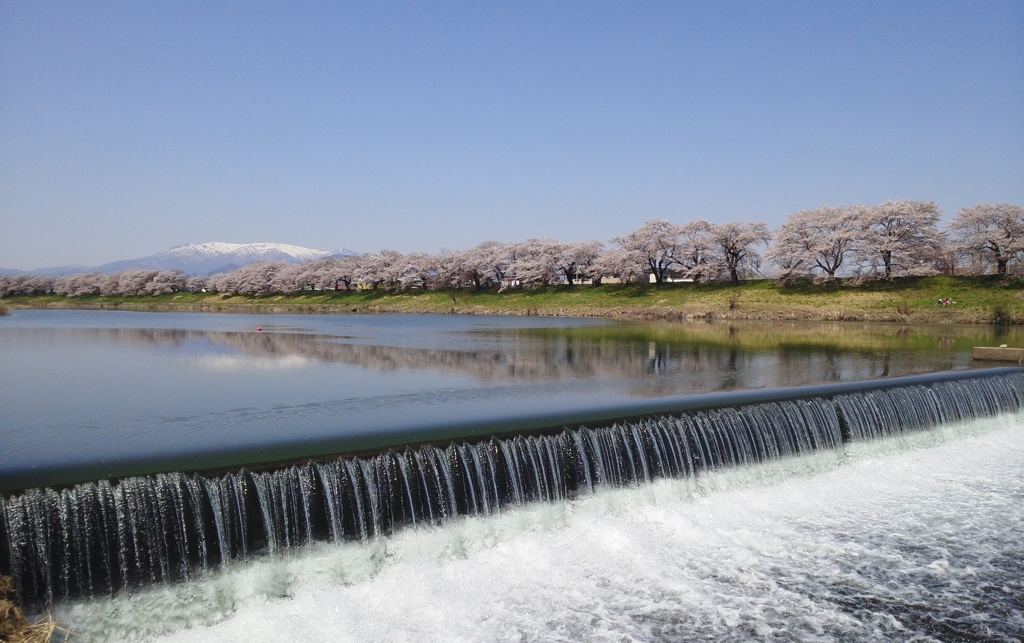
[[14, 627]]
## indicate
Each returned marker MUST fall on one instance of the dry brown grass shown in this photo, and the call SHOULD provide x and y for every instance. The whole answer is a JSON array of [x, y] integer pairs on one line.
[[42, 631], [15, 628]]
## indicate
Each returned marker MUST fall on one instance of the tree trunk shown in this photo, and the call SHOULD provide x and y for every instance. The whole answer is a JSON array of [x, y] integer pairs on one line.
[[658, 272]]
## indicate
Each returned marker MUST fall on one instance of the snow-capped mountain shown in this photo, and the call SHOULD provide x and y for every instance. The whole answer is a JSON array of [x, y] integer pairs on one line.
[[264, 251], [198, 259], [208, 258]]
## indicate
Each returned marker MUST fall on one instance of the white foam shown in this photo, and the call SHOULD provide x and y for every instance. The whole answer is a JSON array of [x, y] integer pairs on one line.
[[895, 540]]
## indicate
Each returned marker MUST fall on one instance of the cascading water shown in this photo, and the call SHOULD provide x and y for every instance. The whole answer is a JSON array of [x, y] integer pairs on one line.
[[102, 537]]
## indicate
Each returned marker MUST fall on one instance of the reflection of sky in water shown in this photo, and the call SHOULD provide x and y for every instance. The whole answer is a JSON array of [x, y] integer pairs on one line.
[[86, 384], [225, 362]]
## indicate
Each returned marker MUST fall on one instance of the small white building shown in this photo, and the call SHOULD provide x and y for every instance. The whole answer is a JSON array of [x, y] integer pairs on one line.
[[672, 278]]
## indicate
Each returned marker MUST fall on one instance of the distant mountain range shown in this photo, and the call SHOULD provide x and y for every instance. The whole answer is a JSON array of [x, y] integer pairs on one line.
[[199, 259]]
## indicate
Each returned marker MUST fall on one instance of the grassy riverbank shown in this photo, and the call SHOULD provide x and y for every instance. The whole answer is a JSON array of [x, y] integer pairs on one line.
[[977, 300]]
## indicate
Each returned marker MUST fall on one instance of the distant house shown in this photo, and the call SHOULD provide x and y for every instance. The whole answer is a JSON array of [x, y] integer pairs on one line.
[[671, 278], [588, 281]]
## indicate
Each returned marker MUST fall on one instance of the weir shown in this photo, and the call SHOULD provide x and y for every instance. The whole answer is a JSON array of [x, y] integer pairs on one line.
[[109, 535]]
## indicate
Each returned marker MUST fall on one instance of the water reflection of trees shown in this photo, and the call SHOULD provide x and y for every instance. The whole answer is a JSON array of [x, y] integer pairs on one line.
[[824, 336], [644, 367]]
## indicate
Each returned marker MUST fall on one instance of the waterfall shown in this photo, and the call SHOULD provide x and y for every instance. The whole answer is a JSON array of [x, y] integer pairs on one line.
[[104, 537]]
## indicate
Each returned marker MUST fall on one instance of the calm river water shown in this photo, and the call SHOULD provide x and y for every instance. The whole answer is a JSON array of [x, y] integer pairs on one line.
[[103, 392], [89, 394]]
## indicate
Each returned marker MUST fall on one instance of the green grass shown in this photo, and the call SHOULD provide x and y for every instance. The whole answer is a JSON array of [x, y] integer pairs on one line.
[[979, 300]]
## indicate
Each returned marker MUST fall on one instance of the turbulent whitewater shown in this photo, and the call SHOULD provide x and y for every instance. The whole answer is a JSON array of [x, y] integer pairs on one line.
[[915, 537]]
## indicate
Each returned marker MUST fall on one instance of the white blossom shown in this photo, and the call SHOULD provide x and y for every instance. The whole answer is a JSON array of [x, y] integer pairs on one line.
[[994, 232]]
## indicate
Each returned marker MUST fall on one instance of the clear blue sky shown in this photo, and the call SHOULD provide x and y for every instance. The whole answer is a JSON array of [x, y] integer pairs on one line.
[[130, 127]]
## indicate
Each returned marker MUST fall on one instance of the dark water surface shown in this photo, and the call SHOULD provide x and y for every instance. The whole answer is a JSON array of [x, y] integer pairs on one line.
[[89, 391]]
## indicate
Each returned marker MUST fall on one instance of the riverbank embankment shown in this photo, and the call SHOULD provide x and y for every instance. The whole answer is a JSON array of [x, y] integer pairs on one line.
[[951, 300]]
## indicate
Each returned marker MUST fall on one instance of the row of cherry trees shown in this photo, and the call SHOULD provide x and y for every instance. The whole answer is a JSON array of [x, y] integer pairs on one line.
[[892, 239], [125, 283], [898, 238]]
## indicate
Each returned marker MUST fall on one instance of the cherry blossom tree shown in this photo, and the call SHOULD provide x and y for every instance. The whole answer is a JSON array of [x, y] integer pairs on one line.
[[532, 262], [696, 254], [470, 266], [737, 244], [994, 231], [386, 268], [137, 282], [654, 245], [487, 264], [820, 239], [196, 283], [127, 283], [304, 276], [338, 273], [451, 272], [545, 261], [165, 282], [901, 237], [420, 271], [330, 273], [79, 285], [255, 279], [574, 261], [618, 263], [26, 285], [224, 282], [119, 282]]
